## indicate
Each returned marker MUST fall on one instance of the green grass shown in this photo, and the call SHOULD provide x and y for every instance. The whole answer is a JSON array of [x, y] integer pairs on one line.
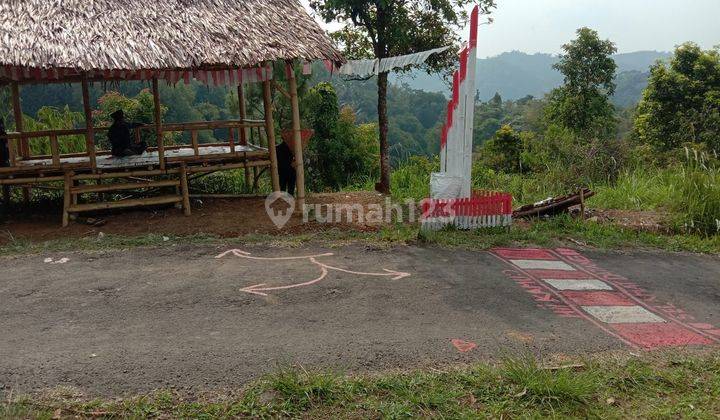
[[558, 231], [658, 385]]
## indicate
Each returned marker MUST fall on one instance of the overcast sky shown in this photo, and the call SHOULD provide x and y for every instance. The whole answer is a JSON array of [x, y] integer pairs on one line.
[[544, 25]]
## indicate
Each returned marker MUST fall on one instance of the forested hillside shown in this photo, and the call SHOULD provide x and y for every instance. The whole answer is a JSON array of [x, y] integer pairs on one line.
[[515, 74]]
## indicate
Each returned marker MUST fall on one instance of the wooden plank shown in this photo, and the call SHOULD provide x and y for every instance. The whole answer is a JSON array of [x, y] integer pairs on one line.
[[299, 164], [55, 150], [270, 133], [152, 201], [184, 188], [158, 122], [85, 189]]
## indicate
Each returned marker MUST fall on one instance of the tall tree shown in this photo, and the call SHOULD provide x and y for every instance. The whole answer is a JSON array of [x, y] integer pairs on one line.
[[387, 28], [682, 101], [582, 104]]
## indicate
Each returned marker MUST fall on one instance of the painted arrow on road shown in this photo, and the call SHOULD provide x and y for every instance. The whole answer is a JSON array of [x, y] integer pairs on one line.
[[263, 288]]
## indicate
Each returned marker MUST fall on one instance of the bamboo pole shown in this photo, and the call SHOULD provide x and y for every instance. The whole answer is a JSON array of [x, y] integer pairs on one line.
[[86, 189], [195, 145], [582, 203], [152, 201], [66, 198], [242, 108], [23, 147], [89, 127], [158, 122], [55, 150], [299, 164], [270, 133], [185, 190]]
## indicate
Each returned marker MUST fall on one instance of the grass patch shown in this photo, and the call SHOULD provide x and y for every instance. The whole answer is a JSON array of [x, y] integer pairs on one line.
[[558, 231], [653, 385]]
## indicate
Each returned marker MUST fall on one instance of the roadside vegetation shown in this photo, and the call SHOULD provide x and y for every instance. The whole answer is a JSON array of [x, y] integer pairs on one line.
[[657, 385]]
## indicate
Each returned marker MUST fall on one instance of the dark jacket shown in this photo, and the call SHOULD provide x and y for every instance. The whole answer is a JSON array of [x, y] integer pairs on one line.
[[120, 136], [285, 159], [4, 151]]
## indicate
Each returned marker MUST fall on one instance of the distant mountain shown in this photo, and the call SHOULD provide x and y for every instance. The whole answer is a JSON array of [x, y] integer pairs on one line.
[[515, 75]]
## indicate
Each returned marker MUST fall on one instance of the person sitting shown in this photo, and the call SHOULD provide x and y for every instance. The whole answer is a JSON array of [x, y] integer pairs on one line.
[[121, 138]]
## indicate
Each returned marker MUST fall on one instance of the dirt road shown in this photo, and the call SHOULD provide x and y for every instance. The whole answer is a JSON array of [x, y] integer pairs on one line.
[[110, 324]]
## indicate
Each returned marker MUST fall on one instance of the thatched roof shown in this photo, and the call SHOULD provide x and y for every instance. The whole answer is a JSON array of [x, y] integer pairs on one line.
[[157, 34]]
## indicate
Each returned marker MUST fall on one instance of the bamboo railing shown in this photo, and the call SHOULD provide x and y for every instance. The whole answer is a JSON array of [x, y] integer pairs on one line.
[[17, 141]]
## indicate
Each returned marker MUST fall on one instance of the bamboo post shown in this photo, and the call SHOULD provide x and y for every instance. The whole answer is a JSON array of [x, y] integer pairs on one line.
[[12, 151], [242, 108], [297, 134], [23, 146], [194, 139], [55, 149], [89, 127], [66, 198], [582, 203], [185, 190], [270, 133], [158, 123]]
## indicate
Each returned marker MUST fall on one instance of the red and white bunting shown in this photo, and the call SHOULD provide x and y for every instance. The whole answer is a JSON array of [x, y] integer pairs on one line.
[[229, 77]]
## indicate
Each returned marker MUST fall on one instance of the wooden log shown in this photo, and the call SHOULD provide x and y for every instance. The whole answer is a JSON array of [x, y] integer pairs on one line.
[[55, 150], [299, 164], [89, 129], [270, 134], [151, 201], [185, 189], [194, 139], [158, 122], [66, 198], [86, 189]]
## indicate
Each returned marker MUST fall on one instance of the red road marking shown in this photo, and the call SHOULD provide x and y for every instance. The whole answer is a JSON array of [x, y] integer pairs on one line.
[[463, 346], [602, 298], [525, 254], [670, 330], [652, 336]]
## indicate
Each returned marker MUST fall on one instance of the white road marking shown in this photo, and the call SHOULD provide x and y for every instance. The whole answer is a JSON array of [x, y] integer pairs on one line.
[[561, 284], [622, 314], [542, 265]]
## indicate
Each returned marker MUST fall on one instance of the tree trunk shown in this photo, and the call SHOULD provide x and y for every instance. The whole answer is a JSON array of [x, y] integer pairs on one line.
[[384, 185]]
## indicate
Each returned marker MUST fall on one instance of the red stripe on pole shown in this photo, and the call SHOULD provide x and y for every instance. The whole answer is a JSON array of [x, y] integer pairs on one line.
[[474, 21], [456, 89], [463, 64]]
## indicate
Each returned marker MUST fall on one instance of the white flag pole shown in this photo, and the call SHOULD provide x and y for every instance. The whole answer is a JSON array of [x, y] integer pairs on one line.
[[470, 86]]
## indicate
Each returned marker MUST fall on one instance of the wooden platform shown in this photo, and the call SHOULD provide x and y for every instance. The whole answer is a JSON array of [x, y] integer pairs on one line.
[[107, 162]]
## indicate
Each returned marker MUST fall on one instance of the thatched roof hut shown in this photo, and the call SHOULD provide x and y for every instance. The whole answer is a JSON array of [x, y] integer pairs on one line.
[[90, 35]]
